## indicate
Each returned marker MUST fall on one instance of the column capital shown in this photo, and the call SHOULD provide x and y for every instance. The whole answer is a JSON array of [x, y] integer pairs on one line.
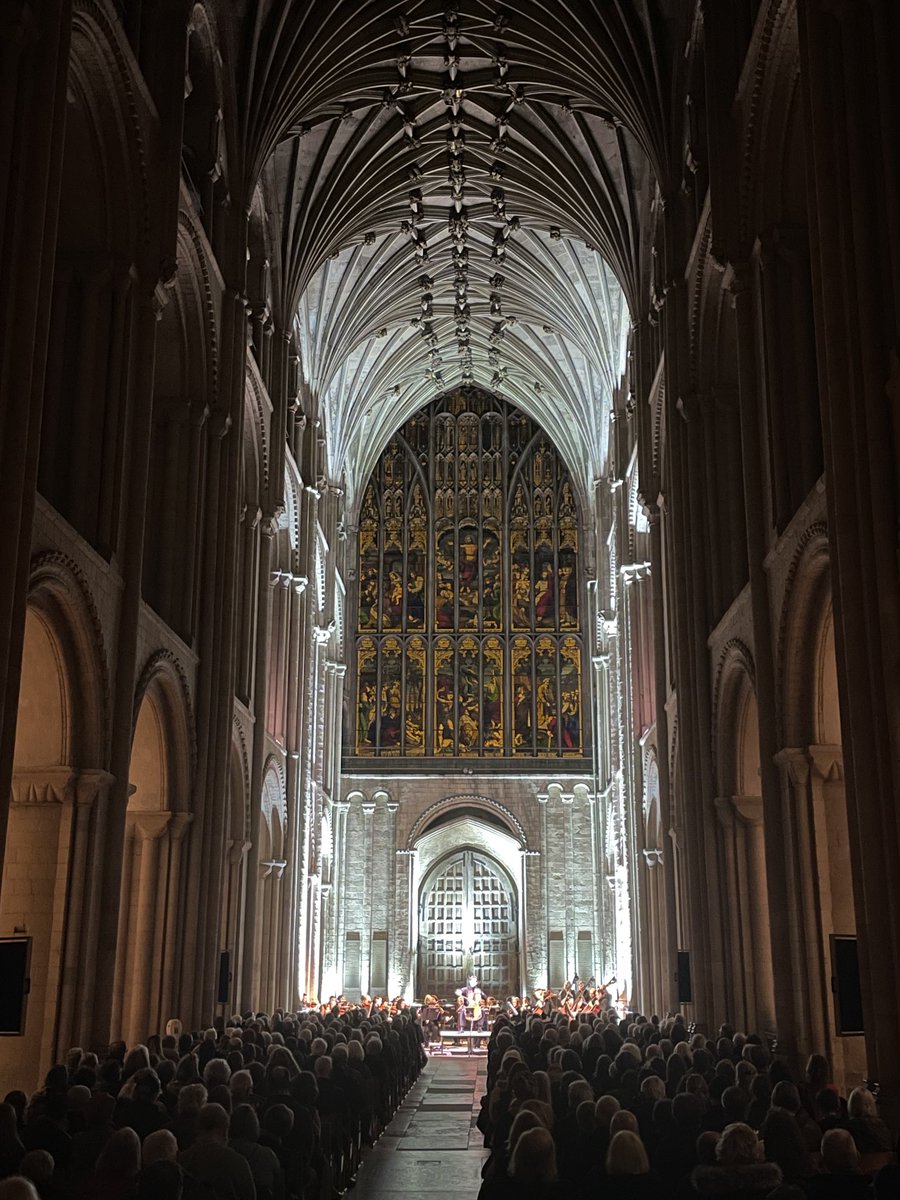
[[635, 572], [235, 851], [746, 809], [794, 762], [653, 858], [43, 785], [179, 824], [150, 826], [90, 784], [827, 762]]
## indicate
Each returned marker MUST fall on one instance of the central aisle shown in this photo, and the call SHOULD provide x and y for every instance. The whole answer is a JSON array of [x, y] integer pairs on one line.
[[432, 1145]]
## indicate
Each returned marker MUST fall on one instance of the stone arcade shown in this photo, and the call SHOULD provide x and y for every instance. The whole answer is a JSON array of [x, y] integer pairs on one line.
[[450, 498]]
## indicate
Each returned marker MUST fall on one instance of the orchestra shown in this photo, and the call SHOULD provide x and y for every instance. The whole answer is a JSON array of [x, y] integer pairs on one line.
[[473, 1010]]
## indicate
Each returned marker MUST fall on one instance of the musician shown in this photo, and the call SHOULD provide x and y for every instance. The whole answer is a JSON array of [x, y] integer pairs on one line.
[[472, 1013], [431, 1016]]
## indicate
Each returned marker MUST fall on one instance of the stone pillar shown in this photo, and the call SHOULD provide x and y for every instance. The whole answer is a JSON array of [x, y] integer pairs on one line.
[[406, 869], [805, 995], [746, 903], [34, 62], [669, 993], [138, 998], [533, 926], [170, 932], [849, 77], [739, 281], [264, 583]]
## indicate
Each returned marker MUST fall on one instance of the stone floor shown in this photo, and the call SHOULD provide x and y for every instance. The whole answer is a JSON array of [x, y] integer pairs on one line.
[[432, 1145]]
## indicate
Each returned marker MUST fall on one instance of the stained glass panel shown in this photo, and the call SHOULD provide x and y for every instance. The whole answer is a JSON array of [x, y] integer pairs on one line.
[[468, 590]]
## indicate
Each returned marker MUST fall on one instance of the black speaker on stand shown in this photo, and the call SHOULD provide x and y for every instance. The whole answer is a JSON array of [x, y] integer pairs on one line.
[[15, 955], [223, 992], [683, 977]]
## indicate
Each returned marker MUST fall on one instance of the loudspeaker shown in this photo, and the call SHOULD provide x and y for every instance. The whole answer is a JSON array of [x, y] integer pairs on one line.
[[845, 985], [15, 954], [683, 977], [224, 990]]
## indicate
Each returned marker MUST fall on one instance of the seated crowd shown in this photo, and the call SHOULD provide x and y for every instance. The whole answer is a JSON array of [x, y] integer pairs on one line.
[[265, 1109], [643, 1110]]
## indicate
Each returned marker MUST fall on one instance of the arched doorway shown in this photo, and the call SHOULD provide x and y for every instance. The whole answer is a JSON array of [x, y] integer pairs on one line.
[[468, 921]]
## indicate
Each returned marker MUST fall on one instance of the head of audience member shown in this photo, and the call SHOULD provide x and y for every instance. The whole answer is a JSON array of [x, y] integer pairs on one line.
[[652, 1089], [738, 1146], [785, 1095], [534, 1157], [191, 1099], [706, 1147], [585, 1118], [212, 1124], [38, 1166], [626, 1155], [278, 1121], [604, 1110], [244, 1125], [120, 1158], [17, 1187], [784, 1144], [522, 1122], [839, 1153], [623, 1121], [159, 1146], [9, 1128], [544, 1112], [861, 1105]]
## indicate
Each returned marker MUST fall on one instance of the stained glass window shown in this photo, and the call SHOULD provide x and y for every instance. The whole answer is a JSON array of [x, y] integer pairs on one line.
[[469, 609]]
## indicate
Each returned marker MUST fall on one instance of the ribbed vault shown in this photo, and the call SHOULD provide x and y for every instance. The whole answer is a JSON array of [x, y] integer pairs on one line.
[[462, 194]]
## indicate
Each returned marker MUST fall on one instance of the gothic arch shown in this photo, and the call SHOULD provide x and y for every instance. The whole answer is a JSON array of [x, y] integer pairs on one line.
[[240, 775], [805, 615], [493, 808], [734, 705], [274, 805]]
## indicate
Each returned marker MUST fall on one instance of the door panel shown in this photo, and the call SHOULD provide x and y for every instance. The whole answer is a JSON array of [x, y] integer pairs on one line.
[[468, 911]]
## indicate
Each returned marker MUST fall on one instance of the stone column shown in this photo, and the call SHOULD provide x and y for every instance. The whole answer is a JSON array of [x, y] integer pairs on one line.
[[34, 62], [406, 868], [740, 283], [138, 1000], [669, 993], [810, 1026], [170, 960], [849, 77], [263, 585], [340, 810]]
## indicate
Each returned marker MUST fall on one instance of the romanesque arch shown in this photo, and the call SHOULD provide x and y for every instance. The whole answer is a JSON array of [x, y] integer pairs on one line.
[[59, 796], [160, 811]]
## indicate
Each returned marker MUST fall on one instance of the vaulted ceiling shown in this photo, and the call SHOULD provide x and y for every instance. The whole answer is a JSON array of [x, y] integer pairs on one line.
[[462, 196]]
